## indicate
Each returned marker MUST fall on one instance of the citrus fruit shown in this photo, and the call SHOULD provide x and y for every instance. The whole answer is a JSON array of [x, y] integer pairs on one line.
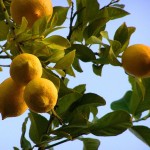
[[24, 68], [40, 95], [136, 60], [30, 9], [12, 103]]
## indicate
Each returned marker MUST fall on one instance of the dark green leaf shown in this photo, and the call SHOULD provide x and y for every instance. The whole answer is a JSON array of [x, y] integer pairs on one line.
[[123, 103], [80, 88], [38, 127], [83, 7], [66, 62], [4, 30], [111, 124], [94, 28], [64, 90], [90, 144], [121, 34], [61, 13], [142, 132], [97, 69], [83, 53], [25, 144], [66, 101], [72, 130], [76, 65], [15, 148], [145, 103]]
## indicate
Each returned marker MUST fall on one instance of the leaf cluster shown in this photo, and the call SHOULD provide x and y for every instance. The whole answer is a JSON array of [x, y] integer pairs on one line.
[[87, 41]]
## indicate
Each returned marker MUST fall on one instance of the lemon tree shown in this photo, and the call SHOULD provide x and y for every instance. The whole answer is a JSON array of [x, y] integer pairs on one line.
[[43, 63]]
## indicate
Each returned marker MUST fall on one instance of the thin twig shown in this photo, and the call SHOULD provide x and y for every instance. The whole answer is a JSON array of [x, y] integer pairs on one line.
[[61, 142], [4, 65], [4, 56], [143, 118], [71, 22], [111, 3]]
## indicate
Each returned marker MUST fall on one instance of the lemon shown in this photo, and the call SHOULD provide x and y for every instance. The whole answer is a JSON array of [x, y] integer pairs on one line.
[[40, 95], [30, 9], [12, 103], [24, 68], [136, 60]]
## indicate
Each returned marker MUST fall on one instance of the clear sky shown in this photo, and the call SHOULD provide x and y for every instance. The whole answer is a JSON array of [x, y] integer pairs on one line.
[[112, 85]]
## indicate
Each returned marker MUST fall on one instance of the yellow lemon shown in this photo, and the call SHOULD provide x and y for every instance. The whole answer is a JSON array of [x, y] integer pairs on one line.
[[24, 68], [136, 60], [12, 103], [40, 95], [30, 9]]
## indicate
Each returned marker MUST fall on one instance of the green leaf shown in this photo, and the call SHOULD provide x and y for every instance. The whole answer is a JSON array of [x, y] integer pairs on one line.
[[90, 99], [83, 53], [64, 90], [145, 103], [136, 97], [65, 62], [4, 30], [57, 42], [72, 130], [69, 2], [15, 148], [38, 127], [1, 69], [61, 13], [83, 7], [66, 101], [76, 65], [123, 103], [25, 144], [40, 25], [94, 28], [111, 124], [142, 132], [112, 13], [23, 26], [80, 88], [47, 73], [121, 34], [97, 69], [90, 143], [113, 58]]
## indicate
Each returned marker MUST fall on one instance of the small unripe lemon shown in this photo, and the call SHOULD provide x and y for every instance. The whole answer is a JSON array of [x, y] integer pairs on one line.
[[12, 103], [40, 95], [30, 9], [136, 60], [24, 68]]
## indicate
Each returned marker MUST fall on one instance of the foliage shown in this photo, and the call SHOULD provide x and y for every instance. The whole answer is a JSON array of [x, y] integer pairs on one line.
[[61, 57]]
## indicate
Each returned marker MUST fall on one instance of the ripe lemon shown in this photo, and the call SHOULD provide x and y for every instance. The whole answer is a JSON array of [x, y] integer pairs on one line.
[[30, 9], [40, 95], [12, 103], [24, 68], [136, 60]]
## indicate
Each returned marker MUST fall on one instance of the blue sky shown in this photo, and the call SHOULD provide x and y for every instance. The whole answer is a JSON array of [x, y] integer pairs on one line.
[[112, 85]]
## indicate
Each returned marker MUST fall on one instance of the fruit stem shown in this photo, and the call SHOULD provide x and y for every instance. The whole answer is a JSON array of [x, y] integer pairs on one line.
[[55, 115]]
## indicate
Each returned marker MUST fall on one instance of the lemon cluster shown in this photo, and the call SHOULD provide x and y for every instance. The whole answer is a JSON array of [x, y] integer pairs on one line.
[[26, 88]]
